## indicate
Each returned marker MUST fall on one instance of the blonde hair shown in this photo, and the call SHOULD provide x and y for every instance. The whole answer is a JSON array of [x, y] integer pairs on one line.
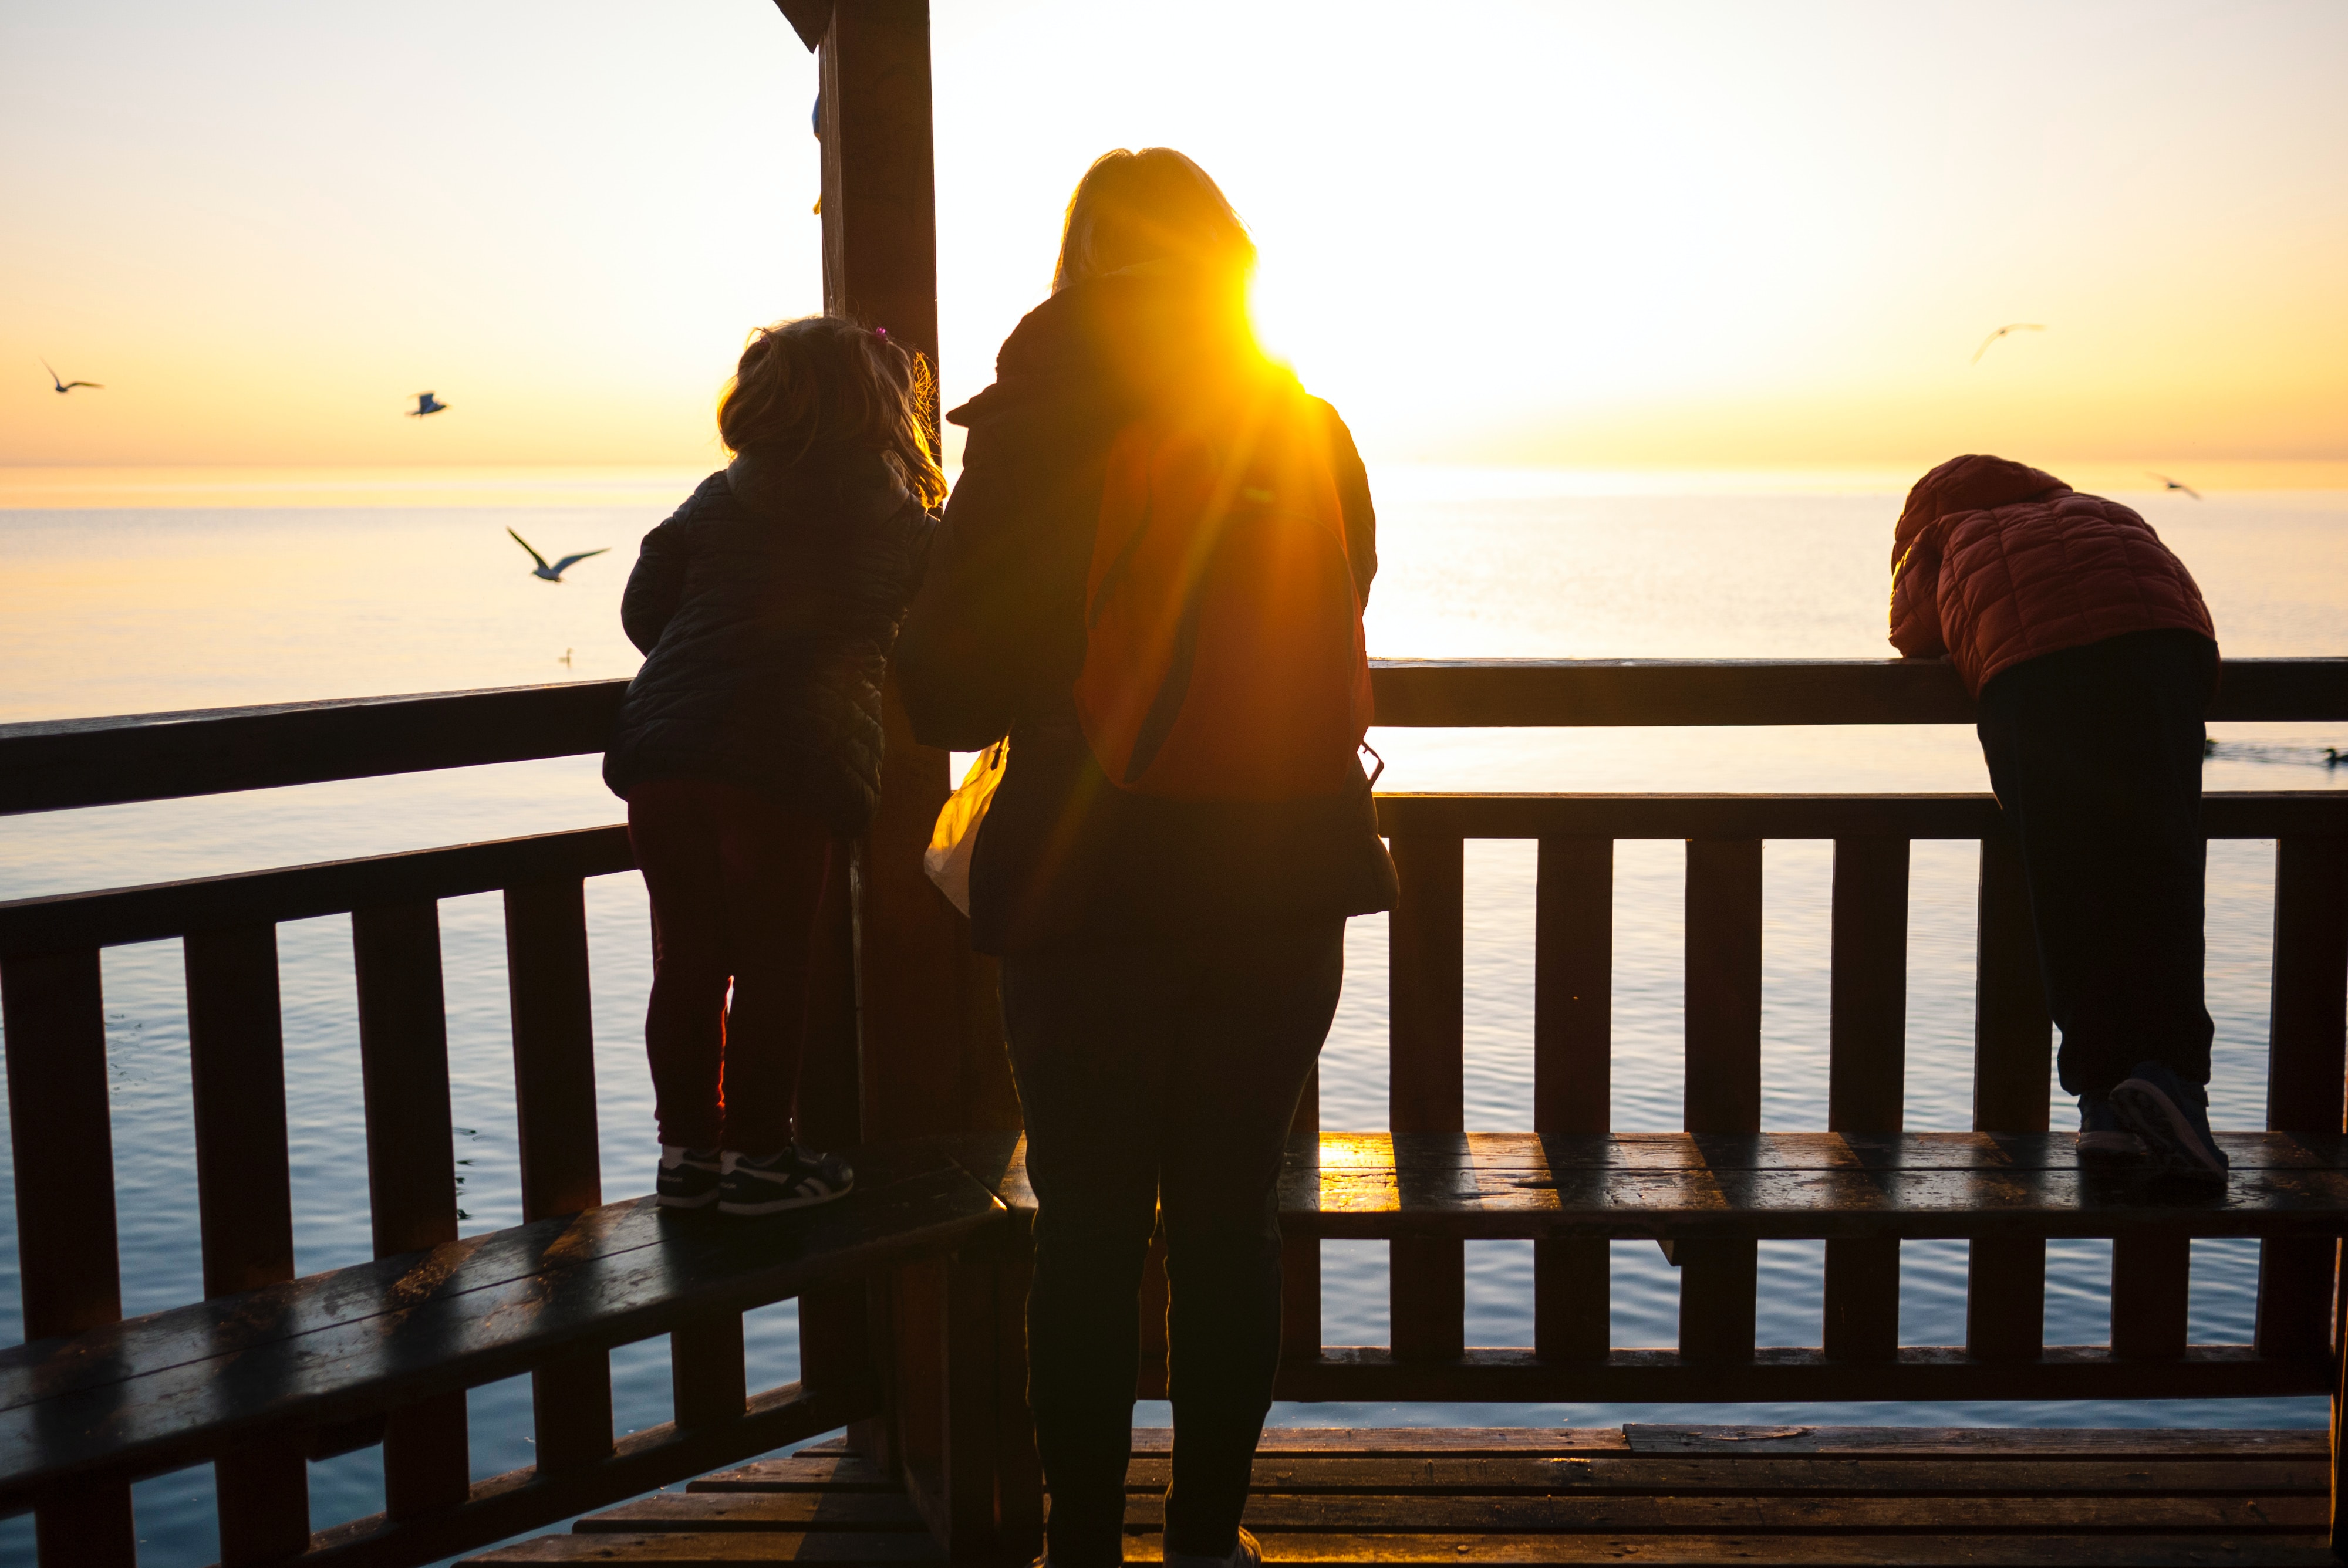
[[1147, 206], [825, 381]]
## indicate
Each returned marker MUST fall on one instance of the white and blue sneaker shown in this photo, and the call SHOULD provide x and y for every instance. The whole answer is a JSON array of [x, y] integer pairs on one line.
[[2100, 1132], [794, 1178], [689, 1177], [2172, 1117]]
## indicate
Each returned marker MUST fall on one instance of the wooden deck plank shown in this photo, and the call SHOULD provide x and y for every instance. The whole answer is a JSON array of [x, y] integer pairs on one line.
[[152, 1392], [726, 1548], [806, 1470], [2033, 1442], [1544, 1474], [768, 1510]]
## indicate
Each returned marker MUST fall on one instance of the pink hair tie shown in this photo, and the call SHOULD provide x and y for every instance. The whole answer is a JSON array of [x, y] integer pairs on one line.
[[881, 333]]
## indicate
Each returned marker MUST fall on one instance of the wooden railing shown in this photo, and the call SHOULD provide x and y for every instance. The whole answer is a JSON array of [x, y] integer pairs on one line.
[[55, 1054]]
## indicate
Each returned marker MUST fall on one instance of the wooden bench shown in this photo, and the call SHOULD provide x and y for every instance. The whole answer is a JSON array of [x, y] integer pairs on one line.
[[1708, 1198], [325, 1352]]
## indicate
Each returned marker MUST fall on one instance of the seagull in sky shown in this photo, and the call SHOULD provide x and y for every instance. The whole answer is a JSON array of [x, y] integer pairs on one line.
[[2008, 327], [552, 573], [2169, 484], [426, 402], [65, 386]]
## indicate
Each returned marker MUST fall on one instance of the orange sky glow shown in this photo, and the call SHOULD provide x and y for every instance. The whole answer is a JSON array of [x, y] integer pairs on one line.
[[1612, 237]]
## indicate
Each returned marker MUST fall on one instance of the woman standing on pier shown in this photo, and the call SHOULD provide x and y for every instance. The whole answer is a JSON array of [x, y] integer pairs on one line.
[[1150, 576]]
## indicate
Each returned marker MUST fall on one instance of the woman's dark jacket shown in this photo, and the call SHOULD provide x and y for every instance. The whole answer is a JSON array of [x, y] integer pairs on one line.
[[995, 638], [765, 609]]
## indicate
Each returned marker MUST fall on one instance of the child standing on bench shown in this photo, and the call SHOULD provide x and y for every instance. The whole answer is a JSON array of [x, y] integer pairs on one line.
[[749, 743], [2093, 659]]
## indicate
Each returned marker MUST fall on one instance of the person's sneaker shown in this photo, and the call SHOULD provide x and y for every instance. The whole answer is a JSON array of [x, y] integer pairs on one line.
[[1246, 1555], [2172, 1117], [795, 1178], [689, 1177], [2100, 1132]]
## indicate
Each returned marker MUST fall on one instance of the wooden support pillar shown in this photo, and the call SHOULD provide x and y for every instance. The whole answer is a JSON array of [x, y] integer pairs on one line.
[[62, 1147], [2005, 1286], [2307, 1025], [1573, 1001]]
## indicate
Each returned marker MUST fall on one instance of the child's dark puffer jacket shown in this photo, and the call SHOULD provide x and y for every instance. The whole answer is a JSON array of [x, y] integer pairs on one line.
[[1993, 563], [767, 607]]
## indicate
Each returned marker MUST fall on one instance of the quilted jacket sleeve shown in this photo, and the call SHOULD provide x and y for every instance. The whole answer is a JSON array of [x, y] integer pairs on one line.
[[655, 586], [1916, 598]]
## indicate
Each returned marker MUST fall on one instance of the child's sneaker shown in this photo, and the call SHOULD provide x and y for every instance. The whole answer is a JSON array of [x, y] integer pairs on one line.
[[794, 1179], [2100, 1132], [689, 1177], [1245, 1555], [2172, 1117]]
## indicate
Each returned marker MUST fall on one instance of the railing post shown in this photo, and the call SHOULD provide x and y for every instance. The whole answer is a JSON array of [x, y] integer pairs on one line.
[[244, 1202], [1300, 1255], [411, 1167], [1718, 1279], [1426, 1084], [2005, 1286], [2307, 1022], [1573, 1001], [62, 1145], [1866, 1031], [555, 1112]]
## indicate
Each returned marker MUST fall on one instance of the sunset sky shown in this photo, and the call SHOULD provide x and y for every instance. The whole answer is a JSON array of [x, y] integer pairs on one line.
[[1654, 234]]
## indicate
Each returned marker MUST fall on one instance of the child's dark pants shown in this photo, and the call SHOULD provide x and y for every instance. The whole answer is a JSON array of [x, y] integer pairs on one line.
[[2096, 755], [1159, 1078], [736, 884]]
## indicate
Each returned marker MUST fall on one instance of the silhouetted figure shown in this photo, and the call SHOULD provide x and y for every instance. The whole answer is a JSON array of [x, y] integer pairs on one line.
[[1171, 959], [748, 746], [552, 573], [65, 386], [2008, 327], [2094, 658]]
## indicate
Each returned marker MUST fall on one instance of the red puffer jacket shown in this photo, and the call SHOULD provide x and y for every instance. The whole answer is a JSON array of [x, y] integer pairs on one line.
[[1993, 563]]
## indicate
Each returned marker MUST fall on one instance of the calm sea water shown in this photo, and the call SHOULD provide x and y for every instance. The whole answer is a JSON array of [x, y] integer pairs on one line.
[[105, 611]]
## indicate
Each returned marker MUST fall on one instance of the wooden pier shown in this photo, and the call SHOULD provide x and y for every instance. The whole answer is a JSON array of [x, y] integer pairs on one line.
[[911, 1290], [1639, 1494]]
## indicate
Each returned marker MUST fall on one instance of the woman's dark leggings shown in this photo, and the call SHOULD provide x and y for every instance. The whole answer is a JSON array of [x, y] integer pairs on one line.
[[2096, 755], [1158, 1079]]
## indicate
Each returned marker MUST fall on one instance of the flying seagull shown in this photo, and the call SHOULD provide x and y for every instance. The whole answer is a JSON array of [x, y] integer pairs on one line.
[[65, 386], [425, 403], [552, 573], [2168, 483], [2008, 327]]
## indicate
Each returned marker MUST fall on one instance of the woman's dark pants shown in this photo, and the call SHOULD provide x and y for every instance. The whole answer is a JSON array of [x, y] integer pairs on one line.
[[2096, 755], [1158, 1079]]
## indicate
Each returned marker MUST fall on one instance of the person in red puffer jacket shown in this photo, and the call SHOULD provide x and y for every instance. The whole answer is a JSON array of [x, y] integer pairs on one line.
[[2093, 658]]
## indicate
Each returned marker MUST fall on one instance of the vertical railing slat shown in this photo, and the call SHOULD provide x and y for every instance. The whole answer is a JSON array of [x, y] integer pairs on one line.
[[555, 1112], [1867, 1062], [62, 1146], [2307, 1022], [411, 1166], [1427, 1084], [2005, 1288], [1300, 1255], [1723, 1088], [244, 1204], [1573, 1001]]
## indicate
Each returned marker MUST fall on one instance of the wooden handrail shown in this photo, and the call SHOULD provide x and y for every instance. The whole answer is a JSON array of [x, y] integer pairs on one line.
[[58, 765]]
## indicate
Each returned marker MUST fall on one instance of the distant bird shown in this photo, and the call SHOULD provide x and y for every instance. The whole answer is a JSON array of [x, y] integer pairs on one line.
[[2008, 327], [552, 573], [2168, 483], [565, 660], [425, 403], [65, 386]]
